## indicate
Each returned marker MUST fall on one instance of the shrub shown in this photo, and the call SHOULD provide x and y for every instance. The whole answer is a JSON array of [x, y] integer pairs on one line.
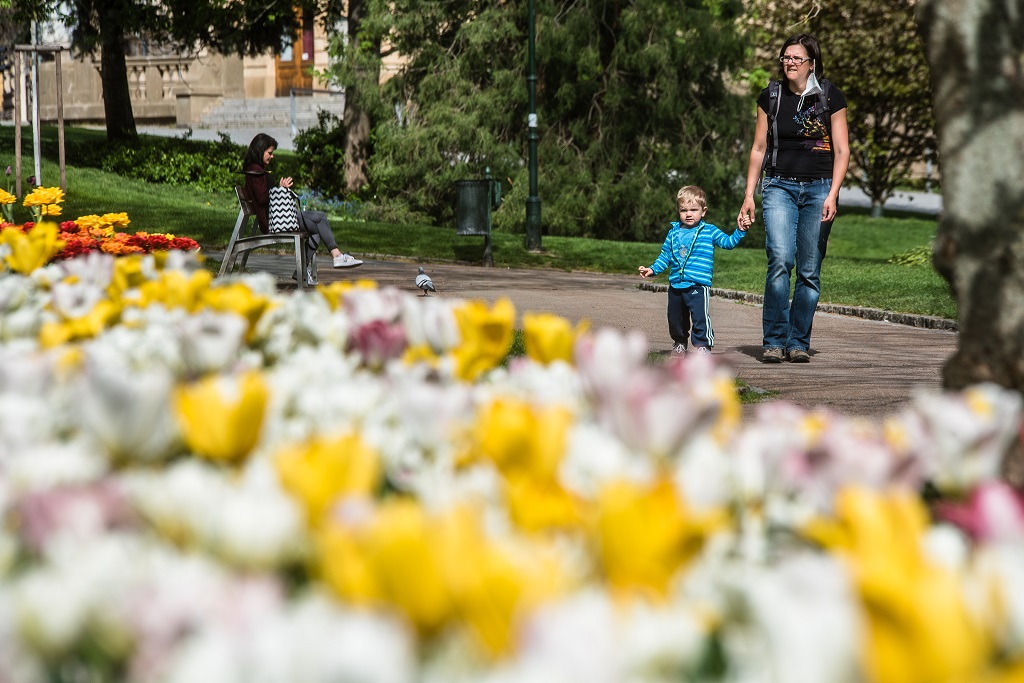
[[179, 161], [321, 152]]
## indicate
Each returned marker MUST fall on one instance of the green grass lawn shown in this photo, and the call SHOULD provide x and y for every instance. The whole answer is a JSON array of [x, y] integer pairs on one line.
[[856, 271]]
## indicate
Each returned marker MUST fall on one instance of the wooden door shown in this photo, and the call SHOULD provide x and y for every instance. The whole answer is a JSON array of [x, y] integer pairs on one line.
[[296, 59]]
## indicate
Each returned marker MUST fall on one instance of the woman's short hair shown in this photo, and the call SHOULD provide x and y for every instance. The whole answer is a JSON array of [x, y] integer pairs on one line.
[[809, 43], [260, 144], [691, 193]]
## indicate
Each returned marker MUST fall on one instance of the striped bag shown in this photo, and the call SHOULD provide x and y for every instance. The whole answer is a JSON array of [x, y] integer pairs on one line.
[[283, 212]]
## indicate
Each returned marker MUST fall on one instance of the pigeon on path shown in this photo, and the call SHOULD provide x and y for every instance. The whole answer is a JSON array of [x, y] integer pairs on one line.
[[424, 282]]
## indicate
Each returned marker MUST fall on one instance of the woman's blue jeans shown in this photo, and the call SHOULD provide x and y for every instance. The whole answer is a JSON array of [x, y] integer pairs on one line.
[[795, 236]]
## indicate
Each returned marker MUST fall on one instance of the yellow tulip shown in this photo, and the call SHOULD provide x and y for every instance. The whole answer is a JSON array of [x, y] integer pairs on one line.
[[174, 289], [104, 314], [550, 337], [394, 560], [236, 298], [6, 197], [536, 504], [645, 534], [323, 470], [420, 353], [128, 273], [486, 336], [345, 565], [335, 292], [919, 629], [518, 436], [221, 417], [31, 250], [438, 571], [493, 585], [42, 196], [116, 220], [731, 408]]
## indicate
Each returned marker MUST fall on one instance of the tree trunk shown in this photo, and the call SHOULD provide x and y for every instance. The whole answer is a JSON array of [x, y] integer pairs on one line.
[[975, 53], [358, 125], [877, 208], [117, 103], [357, 146]]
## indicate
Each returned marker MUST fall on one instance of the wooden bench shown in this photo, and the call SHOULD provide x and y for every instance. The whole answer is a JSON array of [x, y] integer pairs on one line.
[[246, 237]]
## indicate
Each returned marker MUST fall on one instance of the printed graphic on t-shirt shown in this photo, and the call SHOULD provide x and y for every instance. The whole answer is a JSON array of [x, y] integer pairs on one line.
[[686, 244], [813, 130]]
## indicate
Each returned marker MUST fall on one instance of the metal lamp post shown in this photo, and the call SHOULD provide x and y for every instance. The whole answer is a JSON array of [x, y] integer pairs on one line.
[[532, 201]]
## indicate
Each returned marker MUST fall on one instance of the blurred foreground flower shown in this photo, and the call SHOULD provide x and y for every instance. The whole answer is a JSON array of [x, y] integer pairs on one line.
[[221, 416], [27, 252], [919, 629], [486, 335], [550, 337]]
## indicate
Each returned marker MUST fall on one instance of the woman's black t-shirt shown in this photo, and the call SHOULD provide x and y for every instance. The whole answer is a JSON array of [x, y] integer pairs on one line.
[[805, 149]]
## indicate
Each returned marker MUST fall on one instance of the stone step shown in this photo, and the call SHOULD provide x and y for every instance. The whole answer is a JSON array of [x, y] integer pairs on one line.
[[271, 112]]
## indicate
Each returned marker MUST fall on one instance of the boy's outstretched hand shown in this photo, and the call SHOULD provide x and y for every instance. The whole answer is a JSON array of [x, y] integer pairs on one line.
[[645, 271], [745, 222]]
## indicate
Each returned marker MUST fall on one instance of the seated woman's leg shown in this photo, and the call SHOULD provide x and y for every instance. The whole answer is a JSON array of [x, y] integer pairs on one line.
[[316, 223]]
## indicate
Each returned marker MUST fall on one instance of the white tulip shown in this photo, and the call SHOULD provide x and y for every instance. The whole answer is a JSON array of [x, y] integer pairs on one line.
[[796, 622], [128, 413], [210, 341]]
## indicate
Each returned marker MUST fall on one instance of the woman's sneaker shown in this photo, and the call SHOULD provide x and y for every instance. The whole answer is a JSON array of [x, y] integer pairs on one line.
[[346, 261]]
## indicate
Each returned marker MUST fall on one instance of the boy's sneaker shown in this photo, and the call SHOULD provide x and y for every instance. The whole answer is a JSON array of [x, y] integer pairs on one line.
[[798, 356], [346, 261], [678, 349], [703, 351], [772, 356]]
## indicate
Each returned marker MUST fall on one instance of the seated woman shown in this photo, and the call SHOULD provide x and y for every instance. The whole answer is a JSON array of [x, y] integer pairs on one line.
[[258, 183]]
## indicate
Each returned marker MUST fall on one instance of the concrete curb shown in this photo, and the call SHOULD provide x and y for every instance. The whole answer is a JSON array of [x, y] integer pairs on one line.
[[910, 319]]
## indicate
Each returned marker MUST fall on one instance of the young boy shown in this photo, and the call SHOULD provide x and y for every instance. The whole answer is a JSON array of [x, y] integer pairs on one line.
[[689, 255]]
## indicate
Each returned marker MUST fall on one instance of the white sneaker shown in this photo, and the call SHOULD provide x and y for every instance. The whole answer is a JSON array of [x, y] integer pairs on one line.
[[679, 349], [703, 351], [346, 261]]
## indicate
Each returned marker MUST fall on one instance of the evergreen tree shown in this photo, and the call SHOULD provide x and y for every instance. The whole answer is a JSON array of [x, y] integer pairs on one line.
[[631, 101]]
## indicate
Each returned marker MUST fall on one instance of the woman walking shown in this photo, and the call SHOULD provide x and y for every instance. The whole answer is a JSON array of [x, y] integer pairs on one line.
[[801, 145]]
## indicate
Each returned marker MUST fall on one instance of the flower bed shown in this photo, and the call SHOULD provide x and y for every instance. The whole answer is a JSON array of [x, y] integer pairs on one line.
[[210, 481], [35, 243]]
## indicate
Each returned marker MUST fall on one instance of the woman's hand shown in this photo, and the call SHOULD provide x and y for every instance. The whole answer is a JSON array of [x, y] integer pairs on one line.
[[828, 209], [746, 214], [286, 182]]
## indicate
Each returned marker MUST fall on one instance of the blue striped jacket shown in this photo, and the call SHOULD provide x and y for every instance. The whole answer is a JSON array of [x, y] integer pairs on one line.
[[700, 266]]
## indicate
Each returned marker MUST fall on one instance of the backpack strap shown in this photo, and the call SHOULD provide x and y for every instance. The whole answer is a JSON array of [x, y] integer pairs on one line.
[[823, 111], [774, 99]]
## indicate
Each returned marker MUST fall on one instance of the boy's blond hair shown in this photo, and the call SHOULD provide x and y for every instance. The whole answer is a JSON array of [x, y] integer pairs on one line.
[[691, 193]]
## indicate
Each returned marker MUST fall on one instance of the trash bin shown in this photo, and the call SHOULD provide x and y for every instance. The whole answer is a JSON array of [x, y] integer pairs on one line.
[[472, 207], [474, 201]]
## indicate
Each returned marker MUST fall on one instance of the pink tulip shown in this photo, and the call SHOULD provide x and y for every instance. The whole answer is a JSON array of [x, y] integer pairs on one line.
[[378, 342], [84, 511], [994, 511]]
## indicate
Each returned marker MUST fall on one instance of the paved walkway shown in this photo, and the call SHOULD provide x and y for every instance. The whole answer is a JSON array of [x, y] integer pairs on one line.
[[858, 366]]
